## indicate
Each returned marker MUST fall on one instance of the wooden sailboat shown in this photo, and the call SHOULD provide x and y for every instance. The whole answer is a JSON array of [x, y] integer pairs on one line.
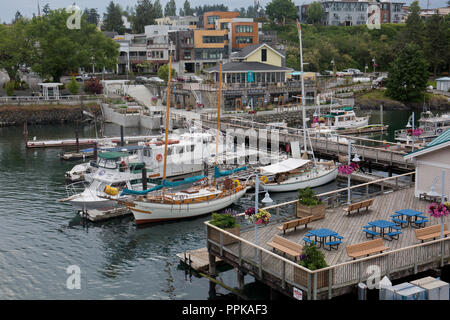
[[160, 204]]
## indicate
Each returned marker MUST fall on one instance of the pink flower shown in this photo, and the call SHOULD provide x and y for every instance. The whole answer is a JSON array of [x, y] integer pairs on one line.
[[438, 210]]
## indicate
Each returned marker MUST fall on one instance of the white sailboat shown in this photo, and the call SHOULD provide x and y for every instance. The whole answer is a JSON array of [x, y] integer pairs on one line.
[[342, 118], [160, 204]]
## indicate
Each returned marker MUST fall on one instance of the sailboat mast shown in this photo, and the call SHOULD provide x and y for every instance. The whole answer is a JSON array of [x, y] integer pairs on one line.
[[218, 110], [303, 84], [167, 116]]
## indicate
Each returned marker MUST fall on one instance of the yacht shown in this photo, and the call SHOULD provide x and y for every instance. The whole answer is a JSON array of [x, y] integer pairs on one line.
[[341, 118], [431, 126]]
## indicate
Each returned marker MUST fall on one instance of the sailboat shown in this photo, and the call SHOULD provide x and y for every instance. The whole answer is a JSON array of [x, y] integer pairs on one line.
[[293, 174], [160, 203]]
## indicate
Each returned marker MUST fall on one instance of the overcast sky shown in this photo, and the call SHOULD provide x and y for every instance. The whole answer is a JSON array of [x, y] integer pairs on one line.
[[28, 7]]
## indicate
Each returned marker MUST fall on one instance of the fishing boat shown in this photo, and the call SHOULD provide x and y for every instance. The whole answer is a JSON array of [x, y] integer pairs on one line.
[[430, 126], [166, 202], [340, 118]]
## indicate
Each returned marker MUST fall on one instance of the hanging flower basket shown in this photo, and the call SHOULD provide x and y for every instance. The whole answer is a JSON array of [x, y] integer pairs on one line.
[[438, 210], [261, 217], [417, 132], [321, 120], [315, 119], [348, 169]]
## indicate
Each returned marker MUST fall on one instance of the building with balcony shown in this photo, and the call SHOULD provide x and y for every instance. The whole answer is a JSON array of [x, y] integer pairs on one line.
[[208, 21], [190, 21]]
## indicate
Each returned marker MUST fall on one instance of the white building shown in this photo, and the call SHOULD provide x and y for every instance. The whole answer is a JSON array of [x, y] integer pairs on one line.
[[443, 84]]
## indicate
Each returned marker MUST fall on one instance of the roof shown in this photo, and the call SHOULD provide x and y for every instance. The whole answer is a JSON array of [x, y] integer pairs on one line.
[[284, 166], [112, 155], [439, 142], [443, 79], [247, 66], [245, 52]]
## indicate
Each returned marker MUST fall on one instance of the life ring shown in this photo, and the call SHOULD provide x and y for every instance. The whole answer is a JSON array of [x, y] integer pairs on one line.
[[237, 182], [439, 130], [263, 179], [159, 157]]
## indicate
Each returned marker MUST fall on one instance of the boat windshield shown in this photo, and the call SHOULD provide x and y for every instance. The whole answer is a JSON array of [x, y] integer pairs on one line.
[[107, 163]]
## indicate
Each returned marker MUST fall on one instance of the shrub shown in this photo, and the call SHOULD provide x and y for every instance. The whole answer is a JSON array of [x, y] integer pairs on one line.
[[312, 258], [308, 198], [93, 86], [224, 220], [10, 87], [73, 86]]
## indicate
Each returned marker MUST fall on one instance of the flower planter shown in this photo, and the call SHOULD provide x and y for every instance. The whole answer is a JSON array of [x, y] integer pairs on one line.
[[214, 235], [318, 212], [301, 277]]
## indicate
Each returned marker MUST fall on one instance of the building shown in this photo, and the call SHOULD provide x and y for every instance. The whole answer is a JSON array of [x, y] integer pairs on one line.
[[443, 84], [208, 21], [355, 12], [190, 21], [430, 162], [426, 13], [132, 51]]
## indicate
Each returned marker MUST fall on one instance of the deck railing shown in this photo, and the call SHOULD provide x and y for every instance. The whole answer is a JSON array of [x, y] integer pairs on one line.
[[259, 260]]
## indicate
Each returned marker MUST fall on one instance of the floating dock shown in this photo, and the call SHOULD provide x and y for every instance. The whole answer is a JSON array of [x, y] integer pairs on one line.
[[196, 259], [95, 215]]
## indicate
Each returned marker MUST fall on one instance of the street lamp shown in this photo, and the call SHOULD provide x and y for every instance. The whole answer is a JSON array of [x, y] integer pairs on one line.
[[433, 193], [411, 120], [355, 159], [266, 201]]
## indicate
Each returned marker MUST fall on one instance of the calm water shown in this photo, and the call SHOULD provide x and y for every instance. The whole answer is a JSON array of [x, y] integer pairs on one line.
[[40, 237]]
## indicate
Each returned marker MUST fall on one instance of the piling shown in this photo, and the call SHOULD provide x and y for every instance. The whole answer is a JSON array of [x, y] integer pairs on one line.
[[95, 151], [25, 132], [121, 136], [77, 141], [144, 178]]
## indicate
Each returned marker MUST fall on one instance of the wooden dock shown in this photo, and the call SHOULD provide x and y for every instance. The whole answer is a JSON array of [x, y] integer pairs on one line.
[[196, 259], [96, 215], [406, 256]]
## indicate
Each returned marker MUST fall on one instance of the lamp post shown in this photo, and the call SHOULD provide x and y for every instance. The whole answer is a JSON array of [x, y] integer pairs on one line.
[[435, 194], [266, 200], [355, 159], [409, 125]]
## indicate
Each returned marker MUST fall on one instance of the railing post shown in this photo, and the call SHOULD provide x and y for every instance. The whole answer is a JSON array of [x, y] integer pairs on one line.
[[367, 191], [330, 283], [360, 272], [240, 252], [283, 275], [260, 264], [415, 260], [309, 286], [388, 264], [442, 253], [315, 286], [221, 243]]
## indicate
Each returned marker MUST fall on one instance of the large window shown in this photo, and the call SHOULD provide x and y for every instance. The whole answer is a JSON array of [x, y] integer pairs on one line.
[[244, 39], [213, 39], [212, 19], [244, 29], [263, 54], [187, 54]]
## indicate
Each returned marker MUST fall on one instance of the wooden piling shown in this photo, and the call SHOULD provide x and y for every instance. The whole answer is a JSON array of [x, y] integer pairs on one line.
[[121, 136], [144, 178]]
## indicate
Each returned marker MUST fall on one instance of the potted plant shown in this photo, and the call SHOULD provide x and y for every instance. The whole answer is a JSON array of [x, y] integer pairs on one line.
[[309, 204], [312, 259], [154, 101], [261, 217], [227, 222]]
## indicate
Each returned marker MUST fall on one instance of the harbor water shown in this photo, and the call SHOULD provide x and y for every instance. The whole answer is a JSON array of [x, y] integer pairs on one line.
[[40, 238]]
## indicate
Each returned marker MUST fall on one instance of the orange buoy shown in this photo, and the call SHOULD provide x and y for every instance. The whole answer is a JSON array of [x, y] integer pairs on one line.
[[159, 157]]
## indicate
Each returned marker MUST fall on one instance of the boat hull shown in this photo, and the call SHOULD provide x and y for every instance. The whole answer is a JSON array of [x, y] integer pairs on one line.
[[147, 212], [295, 185]]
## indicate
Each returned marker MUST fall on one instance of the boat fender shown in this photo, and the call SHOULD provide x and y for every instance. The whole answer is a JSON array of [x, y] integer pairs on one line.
[[111, 191], [237, 182], [159, 157], [263, 179]]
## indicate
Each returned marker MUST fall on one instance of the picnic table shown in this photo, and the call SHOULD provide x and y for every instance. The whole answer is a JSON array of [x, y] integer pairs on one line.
[[320, 236], [383, 225], [409, 217]]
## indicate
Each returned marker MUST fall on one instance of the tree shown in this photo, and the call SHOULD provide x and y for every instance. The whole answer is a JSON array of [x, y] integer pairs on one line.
[[91, 16], [46, 9], [280, 10], [408, 74], [170, 9], [414, 28], [73, 86], [62, 50], [187, 10], [163, 72], [144, 15], [437, 37], [157, 8], [17, 16], [315, 13], [16, 48], [112, 19]]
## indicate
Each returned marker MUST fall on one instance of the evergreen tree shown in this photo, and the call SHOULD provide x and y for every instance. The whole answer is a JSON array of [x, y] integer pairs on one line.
[[315, 13], [112, 19], [144, 16], [170, 9], [437, 41], [46, 9], [157, 8], [17, 16], [187, 10], [408, 75], [414, 28], [280, 10], [91, 16]]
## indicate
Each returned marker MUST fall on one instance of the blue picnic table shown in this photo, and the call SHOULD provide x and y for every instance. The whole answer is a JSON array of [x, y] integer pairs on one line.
[[320, 236], [392, 229], [409, 217]]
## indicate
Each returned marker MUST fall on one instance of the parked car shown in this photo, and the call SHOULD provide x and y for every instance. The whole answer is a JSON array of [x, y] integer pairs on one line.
[[141, 80], [196, 79], [353, 72], [182, 79], [379, 82], [156, 79], [326, 72]]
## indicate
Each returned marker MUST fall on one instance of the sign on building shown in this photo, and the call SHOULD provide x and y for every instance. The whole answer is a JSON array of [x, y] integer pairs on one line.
[[250, 77]]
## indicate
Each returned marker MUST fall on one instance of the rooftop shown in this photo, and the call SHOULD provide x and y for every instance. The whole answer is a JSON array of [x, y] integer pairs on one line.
[[247, 66]]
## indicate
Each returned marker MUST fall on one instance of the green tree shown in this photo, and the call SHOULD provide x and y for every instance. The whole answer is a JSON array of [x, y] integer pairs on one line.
[[91, 16], [144, 16], [170, 9], [112, 19], [63, 50], [315, 13], [157, 7], [163, 72], [437, 41], [414, 27], [46, 9], [188, 11], [73, 86], [16, 48], [408, 75], [280, 10]]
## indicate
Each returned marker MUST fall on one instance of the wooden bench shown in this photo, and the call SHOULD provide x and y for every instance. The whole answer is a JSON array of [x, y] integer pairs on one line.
[[366, 248], [359, 205], [286, 246], [431, 232], [295, 223]]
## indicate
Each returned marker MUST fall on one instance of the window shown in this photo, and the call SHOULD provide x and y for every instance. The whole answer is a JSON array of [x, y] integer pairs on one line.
[[244, 29], [212, 19], [187, 54], [244, 39], [224, 25], [264, 55], [213, 39]]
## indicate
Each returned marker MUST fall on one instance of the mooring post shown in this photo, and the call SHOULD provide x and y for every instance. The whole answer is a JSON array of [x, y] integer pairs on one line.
[[144, 178], [95, 151], [121, 136], [25, 132], [212, 265], [240, 279], [77, 140]]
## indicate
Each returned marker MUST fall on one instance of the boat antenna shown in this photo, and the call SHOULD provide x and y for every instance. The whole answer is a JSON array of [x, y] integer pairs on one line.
[[167, 111], [218, 113], [303, 85]]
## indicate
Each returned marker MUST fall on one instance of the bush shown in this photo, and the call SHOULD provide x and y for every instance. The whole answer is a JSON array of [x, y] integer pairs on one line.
[[308, 198], [93, 86], [312, 258], [73, 86], [10, 87], [224, 220]]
